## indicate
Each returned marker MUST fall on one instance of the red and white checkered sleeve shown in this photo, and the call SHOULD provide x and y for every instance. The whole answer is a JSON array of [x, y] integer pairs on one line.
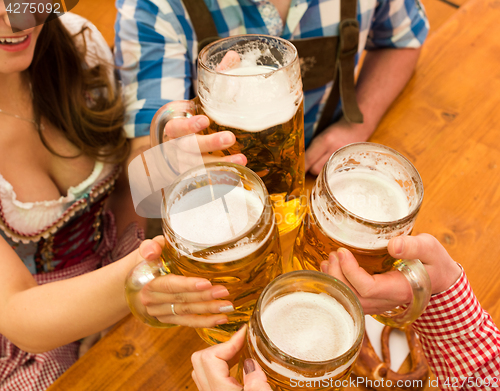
[[460, 339]]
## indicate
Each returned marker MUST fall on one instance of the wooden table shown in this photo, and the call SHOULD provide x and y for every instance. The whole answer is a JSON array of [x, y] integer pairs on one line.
[[447, 122]]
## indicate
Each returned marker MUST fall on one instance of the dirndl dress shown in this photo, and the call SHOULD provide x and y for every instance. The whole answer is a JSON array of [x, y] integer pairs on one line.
[[57, 240]]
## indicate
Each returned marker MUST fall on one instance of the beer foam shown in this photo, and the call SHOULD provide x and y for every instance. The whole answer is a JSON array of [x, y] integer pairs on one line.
[[250, 59], [309, 326], [241, 249], [250, 70], [369, 194], [214, 214], [255, 98]]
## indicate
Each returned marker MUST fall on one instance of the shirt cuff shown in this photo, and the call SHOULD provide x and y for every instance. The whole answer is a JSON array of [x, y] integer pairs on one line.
[[451, 313]]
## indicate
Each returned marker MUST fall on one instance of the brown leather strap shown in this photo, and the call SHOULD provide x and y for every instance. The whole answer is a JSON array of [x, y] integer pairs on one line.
[[344, 86], [329, 108], [348, 47], [317, 62], [203, 23], [348, 9]]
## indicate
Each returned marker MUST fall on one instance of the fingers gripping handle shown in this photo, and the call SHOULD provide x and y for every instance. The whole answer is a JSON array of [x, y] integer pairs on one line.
[[172, 110], [171, 154], [420, 283], [137, 278]]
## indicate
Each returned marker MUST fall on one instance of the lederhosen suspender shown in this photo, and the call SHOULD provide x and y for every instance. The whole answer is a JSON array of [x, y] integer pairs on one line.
[[317, 53]]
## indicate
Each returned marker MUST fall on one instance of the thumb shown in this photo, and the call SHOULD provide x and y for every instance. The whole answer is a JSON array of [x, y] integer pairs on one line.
[[227, 350], [151, 249], [424, 247], [254, 377], [230, 60]]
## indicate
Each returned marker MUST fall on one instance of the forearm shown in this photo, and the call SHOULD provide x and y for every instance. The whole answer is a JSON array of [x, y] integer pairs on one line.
[[384, 74], [459, 338], [47, 316], [120, 203]]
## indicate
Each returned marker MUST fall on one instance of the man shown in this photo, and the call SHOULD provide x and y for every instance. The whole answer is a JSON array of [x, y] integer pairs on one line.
[[157, 47]]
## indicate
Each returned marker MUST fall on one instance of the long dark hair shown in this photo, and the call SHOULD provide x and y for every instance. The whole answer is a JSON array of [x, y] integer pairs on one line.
[[62, 86]]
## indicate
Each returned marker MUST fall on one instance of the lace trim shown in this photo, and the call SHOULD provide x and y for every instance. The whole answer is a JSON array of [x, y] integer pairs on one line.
[[73, 191], [100, 188]]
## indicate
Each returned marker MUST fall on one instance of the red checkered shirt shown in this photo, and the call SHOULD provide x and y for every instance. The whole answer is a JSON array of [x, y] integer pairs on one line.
[[460, 340]]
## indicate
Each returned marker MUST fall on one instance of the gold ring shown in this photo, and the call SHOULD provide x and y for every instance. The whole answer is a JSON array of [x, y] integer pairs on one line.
[[173, 309]]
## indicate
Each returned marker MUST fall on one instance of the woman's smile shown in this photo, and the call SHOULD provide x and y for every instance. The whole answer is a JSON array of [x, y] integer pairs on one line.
[[15, 43]]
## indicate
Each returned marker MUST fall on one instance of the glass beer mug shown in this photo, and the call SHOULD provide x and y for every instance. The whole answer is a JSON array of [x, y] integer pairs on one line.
[[365, 195], [306, 332], [257, 96], [219, 224]]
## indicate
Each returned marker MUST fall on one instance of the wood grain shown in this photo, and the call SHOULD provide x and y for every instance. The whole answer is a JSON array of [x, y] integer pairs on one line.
[[447, 123], [438, 13], [136, 357]]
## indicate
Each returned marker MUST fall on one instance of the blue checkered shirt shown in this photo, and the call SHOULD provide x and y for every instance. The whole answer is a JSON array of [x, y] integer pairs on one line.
[[156, 46]]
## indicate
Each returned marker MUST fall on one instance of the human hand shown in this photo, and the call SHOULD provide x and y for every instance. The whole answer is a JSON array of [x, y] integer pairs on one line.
[[192, 298], [211, 367], [332, 138], [383, 292], [207, 144]]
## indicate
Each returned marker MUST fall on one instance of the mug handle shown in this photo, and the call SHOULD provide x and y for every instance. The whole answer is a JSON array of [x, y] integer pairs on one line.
[[172, 110], [136, 279], [420, 283]]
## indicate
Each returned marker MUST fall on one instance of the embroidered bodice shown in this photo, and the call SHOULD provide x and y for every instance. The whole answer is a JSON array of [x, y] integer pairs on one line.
[[50, 235], [31, 219]]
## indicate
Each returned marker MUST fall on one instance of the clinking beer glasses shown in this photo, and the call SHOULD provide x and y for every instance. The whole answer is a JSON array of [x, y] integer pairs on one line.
[[306, 332], [257, 96], [219, 224], [365, 195]]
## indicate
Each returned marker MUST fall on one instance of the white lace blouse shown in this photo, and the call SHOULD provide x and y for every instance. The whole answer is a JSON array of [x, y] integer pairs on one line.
[[29, 218]]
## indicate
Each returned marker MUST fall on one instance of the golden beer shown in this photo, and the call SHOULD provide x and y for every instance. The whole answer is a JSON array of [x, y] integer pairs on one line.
[[313, 246], [219, 224], [306, 332], [260, 100], [271, 153], [365, 195]]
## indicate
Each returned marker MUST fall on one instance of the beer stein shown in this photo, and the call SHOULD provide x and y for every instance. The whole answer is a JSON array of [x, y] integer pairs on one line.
[[365, 195], [258, 97], [218, 224], [306, 332]]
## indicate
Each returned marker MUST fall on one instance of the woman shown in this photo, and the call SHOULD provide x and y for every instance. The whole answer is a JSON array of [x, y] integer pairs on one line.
[[61, 146]]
